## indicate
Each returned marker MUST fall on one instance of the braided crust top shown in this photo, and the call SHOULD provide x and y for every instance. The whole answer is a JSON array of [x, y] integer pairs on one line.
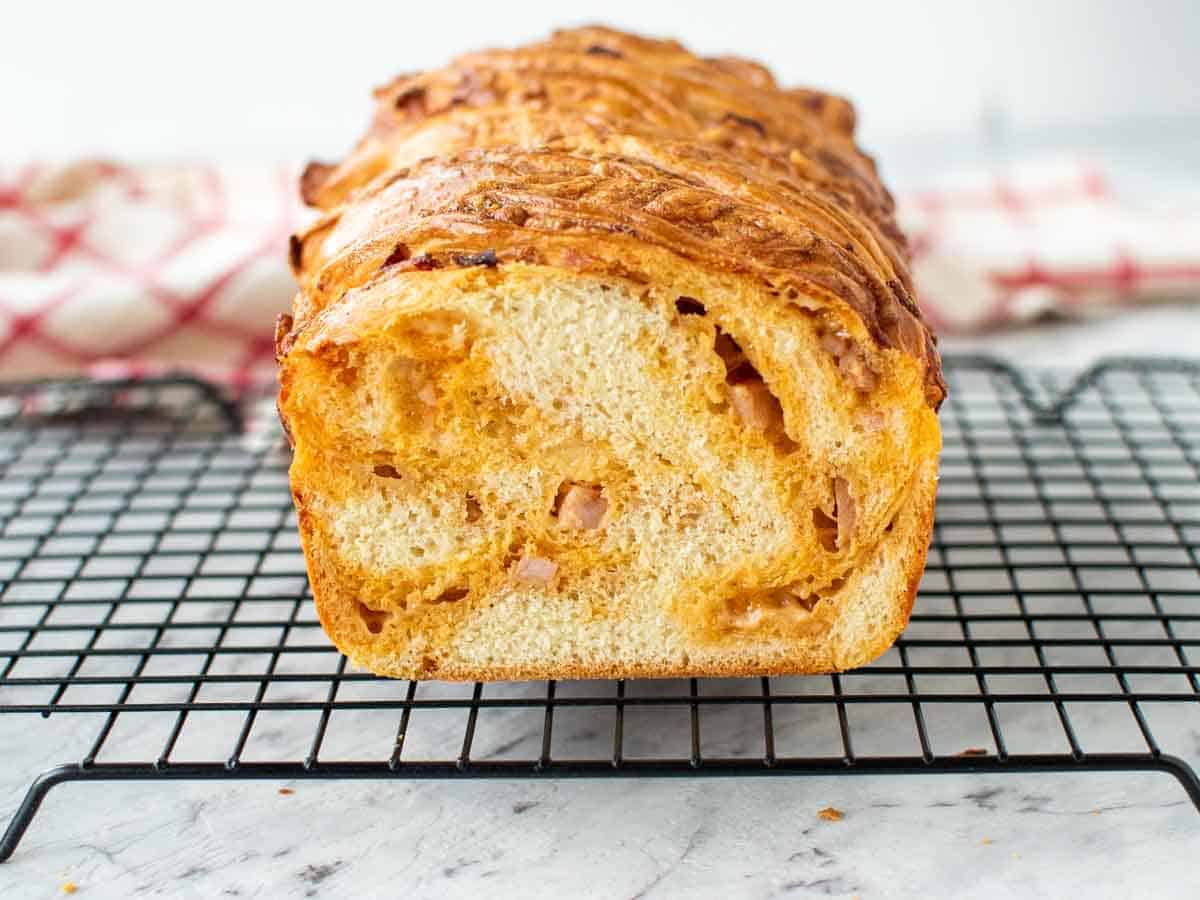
[[590, 150]]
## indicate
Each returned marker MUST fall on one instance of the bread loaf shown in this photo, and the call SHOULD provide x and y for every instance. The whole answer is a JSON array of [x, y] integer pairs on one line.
[[605, 362]]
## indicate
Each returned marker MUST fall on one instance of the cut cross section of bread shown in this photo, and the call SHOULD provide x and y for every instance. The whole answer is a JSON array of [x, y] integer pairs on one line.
[[588, 377]]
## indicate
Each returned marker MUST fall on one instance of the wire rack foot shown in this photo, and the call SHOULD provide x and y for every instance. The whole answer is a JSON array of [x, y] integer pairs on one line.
[[25, 813]]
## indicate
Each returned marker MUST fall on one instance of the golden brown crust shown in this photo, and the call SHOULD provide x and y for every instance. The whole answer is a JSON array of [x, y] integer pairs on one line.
[[572, 151]]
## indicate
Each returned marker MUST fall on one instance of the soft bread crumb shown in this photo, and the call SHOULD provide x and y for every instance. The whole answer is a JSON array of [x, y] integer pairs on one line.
[[679, 508]]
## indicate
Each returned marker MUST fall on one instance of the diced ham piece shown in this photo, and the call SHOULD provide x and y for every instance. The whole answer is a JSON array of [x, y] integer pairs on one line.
[[834, 344], [850, 361], [854, 369], [535, 570], [427, 394], [756, 406], [582, 506]]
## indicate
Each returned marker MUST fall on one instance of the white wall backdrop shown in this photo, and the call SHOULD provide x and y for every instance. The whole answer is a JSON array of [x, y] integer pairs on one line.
[[254, 80]]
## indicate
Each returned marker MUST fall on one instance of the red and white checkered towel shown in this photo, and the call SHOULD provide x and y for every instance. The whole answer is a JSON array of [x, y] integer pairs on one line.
[[107, 268], [1042, 238], [110, 268]]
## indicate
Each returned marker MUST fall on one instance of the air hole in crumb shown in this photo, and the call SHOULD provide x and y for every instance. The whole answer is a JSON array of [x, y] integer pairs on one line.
[[752, 400], [807, 602], [729, 351], [386, 471], [743, 374], [374, 619], [474, 510], [689, 306], [787, 605], [834, 532], [418, 552], [451, 595], [601, 50], [398, 255], [826, 530]]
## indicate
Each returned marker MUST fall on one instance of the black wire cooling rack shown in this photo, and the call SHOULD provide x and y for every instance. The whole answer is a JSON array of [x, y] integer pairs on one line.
[[151, 584]]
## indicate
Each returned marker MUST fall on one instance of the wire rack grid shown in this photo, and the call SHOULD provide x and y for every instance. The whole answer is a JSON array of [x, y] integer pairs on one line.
[[152, 585]]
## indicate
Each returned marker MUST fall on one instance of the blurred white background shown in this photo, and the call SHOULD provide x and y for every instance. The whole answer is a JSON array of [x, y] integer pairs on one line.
[[934, 80]]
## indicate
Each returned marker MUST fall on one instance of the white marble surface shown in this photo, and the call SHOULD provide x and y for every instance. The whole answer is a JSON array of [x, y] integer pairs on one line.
[[1111, 835], [1103, 836], [981, 836]]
